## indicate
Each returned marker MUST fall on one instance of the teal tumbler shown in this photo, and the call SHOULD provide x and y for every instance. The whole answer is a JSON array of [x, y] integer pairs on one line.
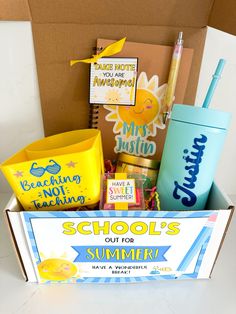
[[191, 152]]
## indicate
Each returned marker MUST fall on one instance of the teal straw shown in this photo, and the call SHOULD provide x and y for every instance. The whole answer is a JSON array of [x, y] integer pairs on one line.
[[212, 87]]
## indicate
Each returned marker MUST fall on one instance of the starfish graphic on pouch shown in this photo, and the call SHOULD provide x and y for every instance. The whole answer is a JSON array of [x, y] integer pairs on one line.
[[71, 164], [18, 174]]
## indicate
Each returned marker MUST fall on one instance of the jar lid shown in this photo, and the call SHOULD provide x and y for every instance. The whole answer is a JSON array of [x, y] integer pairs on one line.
[[139, 161]]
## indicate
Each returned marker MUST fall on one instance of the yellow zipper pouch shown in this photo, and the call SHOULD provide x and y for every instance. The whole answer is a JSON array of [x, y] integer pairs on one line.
[[58, 172]]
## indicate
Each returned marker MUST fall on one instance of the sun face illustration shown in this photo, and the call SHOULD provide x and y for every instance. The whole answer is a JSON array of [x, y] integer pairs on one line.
[[56, 269], [113, 96], [147, 110]]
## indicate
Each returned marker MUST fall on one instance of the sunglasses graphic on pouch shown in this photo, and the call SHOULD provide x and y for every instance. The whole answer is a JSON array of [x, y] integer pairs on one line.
[[39, 171]]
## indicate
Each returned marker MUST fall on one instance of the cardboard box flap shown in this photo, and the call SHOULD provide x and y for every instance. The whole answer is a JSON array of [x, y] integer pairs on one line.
[[223, 16], [107, 12], [64, 90], [188, 13], [192, 13], [14, 10]]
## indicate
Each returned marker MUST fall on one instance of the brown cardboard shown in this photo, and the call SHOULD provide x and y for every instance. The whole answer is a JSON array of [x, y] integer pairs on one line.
[[133, 12], [65, 30], [64, 90], [68, 30], [223, 16], [14, 10]]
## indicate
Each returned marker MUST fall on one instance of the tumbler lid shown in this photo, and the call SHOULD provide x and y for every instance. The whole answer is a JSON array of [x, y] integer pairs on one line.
[[201, 116]]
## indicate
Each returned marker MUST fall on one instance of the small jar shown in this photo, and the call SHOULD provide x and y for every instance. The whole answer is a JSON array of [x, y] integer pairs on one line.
[[134, 164]]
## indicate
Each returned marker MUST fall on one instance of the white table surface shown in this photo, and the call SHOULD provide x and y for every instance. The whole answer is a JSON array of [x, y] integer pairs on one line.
[[214, 296]]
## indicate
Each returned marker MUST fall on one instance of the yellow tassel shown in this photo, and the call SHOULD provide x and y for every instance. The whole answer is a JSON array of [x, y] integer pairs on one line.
[[106, 52]]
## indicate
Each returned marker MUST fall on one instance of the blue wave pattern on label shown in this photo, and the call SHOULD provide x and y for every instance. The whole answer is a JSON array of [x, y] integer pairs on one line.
[[127, 254], [193, 161]]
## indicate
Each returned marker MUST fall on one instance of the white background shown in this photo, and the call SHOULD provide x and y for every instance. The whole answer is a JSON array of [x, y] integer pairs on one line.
[[221, 45], [21, 118]]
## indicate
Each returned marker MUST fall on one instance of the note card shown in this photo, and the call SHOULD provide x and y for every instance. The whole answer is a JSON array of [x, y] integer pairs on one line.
[[113, 81]]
